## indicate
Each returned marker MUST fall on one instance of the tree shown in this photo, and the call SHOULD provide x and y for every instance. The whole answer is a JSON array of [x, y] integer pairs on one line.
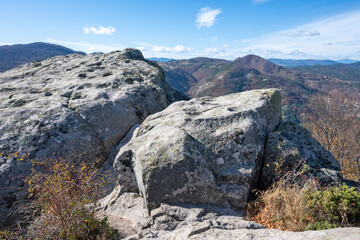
[[334, 120]]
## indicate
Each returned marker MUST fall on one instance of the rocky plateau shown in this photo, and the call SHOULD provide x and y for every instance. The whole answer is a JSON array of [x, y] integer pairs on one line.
[[184, 169]]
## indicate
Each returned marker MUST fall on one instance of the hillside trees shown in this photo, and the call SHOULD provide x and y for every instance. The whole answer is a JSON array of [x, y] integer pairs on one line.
[[334, 120]]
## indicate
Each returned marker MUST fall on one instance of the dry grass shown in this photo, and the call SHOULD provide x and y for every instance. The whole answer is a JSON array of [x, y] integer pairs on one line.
[[291, 207], [280, 207]]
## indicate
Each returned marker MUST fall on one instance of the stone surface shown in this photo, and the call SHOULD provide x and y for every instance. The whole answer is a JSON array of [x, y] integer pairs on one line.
[[185, 218], [291, 147], [69, 105], [187, 172], [206, 150], [213, 232]]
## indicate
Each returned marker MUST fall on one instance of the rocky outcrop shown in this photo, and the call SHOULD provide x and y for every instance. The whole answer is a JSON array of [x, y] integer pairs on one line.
[[206, 150], [70, 105], [292, 149], [188, 171]]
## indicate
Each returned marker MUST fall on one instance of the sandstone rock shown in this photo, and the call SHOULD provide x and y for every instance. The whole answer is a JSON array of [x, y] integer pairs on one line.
[[70, 105], [291, 148], [206, 150]]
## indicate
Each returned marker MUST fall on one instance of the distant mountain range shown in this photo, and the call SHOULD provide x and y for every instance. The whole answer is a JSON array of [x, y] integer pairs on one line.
[[12, 56], [160, 59], [346, 72], [308, 62], [202, 76], [214, 77]]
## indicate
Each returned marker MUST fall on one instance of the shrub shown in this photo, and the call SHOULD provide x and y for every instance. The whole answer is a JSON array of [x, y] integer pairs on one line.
[[66, 195], [338, 206], [291, 207]]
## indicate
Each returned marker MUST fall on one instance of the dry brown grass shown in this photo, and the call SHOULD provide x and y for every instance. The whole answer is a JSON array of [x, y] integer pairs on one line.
[[280, 207]]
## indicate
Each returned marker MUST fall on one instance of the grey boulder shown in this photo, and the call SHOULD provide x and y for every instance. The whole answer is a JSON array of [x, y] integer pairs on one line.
[[70, 105], [206, 150], [194, 165], [291, 149]]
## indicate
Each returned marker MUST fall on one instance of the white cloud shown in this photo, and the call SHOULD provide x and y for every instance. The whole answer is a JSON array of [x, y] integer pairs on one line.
[[339, 38], [100, 30], [143, 49], [211, 51], [304, 33], [176, 49], [206, 17], [87, 47]]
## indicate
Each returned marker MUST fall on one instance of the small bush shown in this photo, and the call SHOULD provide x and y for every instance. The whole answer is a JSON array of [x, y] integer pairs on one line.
[[334, 205], [12, 234], [66, 194], [291, 207]]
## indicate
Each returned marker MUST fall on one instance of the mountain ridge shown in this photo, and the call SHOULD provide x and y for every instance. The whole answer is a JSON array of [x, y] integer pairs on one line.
[[308, 62], [214, 77], [12, 56]]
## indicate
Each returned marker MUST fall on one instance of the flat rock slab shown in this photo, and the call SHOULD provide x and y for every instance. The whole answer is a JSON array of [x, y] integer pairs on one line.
[[214, 233]]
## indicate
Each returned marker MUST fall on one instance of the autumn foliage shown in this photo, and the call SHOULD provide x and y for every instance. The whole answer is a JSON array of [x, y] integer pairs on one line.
[[64, 195], [334, 120]]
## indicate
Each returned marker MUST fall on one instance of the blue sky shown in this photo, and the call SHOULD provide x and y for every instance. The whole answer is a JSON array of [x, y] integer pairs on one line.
[[298, 29]]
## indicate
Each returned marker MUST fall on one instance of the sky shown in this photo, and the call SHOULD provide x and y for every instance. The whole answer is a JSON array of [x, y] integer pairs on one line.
[[288, 29]]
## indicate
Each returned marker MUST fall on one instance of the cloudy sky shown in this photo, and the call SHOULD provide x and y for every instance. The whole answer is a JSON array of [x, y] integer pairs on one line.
[[318, 29]]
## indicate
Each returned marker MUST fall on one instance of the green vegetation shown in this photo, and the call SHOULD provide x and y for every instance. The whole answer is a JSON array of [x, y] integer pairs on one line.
[[293, 208], [333, 206]]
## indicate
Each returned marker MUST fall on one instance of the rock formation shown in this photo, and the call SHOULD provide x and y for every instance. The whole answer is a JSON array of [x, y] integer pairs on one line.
[[291, 146], [206, 150], [69, 105], [191, 168], [185, 172]]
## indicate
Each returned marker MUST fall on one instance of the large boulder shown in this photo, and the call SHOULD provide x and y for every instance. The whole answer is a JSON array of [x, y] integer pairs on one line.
[[293, 151], [206, 150], [70, 105], [187, 172]]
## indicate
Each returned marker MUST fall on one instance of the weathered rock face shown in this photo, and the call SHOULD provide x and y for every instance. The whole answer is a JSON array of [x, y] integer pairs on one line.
[[206, 150], [74, 104], [187, 172], [292, 147]]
